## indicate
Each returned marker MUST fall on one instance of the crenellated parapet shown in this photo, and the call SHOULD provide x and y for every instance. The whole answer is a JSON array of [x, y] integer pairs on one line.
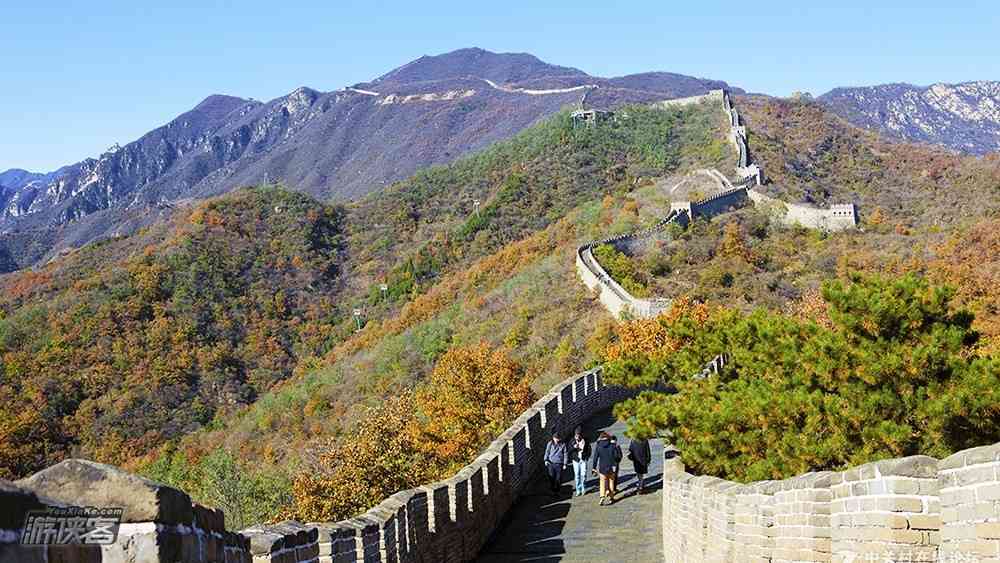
[[446, 521]]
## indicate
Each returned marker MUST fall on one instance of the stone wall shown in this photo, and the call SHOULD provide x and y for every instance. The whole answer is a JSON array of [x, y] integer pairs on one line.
[[619, 302], [838, 217], [722, 202], [910, 509], [714, 96], [447, 521], [159, 523]]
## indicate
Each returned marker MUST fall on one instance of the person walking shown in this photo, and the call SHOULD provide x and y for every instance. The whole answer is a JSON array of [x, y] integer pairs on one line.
[[603, 463], [618, 462], [556, 458], [641, 455], [579, 453]]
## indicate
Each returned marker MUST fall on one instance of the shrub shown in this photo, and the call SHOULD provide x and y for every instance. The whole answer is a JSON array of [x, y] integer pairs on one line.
[[895, 373]]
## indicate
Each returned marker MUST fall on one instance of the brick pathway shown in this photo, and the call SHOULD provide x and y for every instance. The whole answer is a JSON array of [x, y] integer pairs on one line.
[[542, 528]]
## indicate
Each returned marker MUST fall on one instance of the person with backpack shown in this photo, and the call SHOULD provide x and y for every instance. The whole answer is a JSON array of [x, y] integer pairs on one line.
[[618, 462], [641, 455], [579, 453], [603, 463], [556, 458]]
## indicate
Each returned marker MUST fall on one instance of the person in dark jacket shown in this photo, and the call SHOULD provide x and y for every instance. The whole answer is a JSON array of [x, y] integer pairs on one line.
[[640, 454], [603, 462], [579, 453], [618, 464], [556, 459]]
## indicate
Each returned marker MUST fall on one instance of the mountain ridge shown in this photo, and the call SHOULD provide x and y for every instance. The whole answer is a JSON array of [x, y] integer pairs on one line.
[[333, 145], [964, 117]]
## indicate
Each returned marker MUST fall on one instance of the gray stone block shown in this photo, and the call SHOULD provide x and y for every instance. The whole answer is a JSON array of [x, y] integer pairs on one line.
[[81, 482]]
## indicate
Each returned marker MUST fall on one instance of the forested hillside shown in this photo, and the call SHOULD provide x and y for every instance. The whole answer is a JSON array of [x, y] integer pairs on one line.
[[134, 343], [224, 342]]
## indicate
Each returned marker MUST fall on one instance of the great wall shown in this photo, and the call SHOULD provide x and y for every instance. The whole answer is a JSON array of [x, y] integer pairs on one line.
[[730, 196], [910, 509]]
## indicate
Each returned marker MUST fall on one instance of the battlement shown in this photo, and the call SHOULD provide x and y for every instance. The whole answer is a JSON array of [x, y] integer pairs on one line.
[[445, 521]]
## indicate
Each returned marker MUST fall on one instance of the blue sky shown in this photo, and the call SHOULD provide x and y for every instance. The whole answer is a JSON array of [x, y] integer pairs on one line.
[[76, 77]]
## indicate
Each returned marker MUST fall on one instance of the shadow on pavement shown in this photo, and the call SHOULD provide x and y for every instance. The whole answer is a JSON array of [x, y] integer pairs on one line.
[[535, 528]]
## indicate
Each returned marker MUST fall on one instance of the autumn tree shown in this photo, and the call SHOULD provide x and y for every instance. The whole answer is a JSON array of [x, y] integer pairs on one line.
[[473, 394], [354, 473]]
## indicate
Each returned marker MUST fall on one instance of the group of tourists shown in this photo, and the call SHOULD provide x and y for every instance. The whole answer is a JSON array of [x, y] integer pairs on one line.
[[604, 458]]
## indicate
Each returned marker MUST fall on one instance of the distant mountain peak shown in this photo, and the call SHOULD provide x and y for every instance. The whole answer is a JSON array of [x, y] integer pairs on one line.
[[502, 68], [216, 101], [339, 144], [964, 116]]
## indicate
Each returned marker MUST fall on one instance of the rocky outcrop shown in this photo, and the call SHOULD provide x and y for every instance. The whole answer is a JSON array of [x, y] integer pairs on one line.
[[159, 523], [964, 117]]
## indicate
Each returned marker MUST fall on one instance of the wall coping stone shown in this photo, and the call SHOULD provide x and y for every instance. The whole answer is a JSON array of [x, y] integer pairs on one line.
[[84, 482], [972, 456]]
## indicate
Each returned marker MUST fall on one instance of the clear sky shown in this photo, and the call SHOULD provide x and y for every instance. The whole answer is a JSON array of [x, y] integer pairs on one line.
[[78, 76]]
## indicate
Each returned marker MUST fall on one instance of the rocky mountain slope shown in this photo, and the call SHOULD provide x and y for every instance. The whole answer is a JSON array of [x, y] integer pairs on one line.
[[339, 144], [964, 117], [129, 343], [229, 330]]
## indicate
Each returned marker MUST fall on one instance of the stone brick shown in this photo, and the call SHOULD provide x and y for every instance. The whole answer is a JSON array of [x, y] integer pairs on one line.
[[988, 530], [900, 504], [925, 521], [86, 483], [973, 475], [988, 492]]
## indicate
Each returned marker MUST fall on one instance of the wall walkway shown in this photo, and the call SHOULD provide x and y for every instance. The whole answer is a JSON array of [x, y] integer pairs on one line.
[[575, 529]]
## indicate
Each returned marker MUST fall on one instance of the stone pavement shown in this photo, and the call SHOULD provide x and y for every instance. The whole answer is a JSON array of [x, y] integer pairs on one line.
[[541, 528]]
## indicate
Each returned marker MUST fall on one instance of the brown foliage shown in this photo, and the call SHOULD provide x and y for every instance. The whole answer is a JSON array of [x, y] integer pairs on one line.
[[474, 392]]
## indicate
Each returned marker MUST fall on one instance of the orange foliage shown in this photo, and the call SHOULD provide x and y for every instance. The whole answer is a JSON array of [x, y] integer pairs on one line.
[[648, 337], [970, 262], [812, 307], [474, 392], [733, 244]]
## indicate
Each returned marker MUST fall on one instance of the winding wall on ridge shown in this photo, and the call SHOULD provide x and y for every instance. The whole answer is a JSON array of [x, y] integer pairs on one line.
[[732, 195]]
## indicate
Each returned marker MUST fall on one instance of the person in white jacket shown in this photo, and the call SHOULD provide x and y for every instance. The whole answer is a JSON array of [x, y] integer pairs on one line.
[[579, 453]]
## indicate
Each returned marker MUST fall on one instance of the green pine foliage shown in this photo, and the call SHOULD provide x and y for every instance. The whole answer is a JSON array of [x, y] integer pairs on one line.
[[622, 269], [891, 372]]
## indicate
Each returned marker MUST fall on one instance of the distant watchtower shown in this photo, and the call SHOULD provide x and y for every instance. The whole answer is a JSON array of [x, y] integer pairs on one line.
[[590, 117]]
